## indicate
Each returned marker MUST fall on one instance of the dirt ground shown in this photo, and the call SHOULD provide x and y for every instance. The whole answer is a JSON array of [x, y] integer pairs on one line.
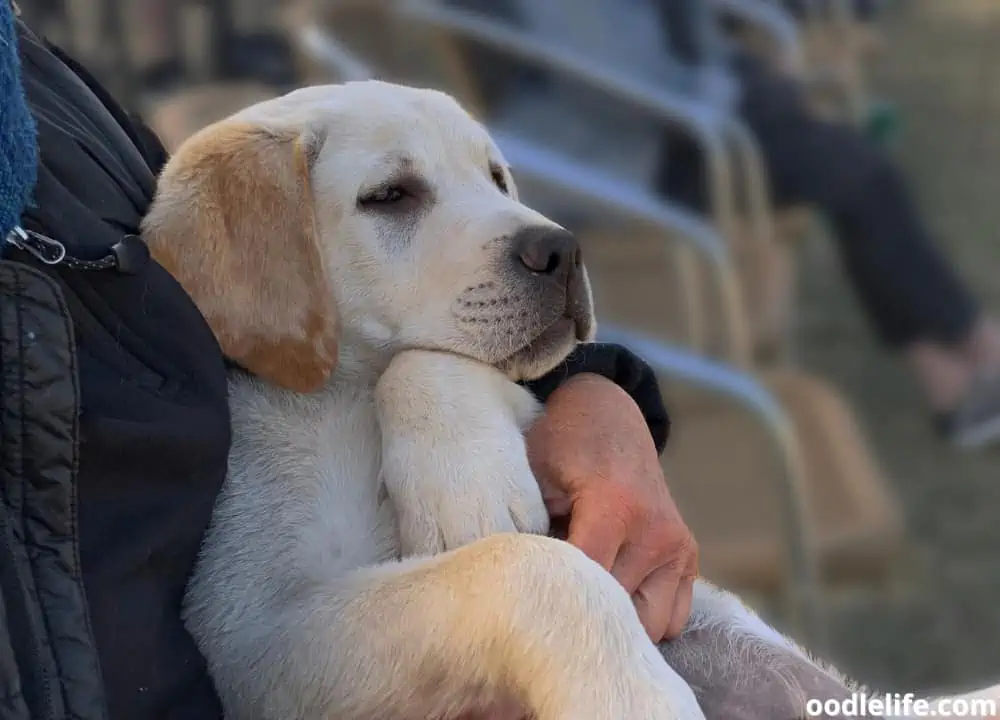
[[942, 627]]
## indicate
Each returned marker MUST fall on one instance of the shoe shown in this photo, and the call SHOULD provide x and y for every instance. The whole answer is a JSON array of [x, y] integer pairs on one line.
[[975, 423]]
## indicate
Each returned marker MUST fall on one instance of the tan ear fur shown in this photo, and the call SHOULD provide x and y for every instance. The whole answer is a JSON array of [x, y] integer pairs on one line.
[[234, 223]]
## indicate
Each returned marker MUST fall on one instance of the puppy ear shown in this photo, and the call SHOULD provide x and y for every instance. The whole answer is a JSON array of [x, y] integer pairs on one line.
[[234, 223]]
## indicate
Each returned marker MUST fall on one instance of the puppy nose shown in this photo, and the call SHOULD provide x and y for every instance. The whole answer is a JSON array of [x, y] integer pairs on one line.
[[546, 250]]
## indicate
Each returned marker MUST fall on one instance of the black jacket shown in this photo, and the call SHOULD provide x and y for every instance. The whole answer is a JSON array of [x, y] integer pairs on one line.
[[114, 430]]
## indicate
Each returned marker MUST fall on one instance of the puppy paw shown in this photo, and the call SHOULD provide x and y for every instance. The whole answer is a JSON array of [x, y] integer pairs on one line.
[[455, 509]]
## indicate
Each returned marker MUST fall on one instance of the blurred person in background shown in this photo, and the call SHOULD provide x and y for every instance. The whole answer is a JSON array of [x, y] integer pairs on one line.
[[262, 53], [910, 293]]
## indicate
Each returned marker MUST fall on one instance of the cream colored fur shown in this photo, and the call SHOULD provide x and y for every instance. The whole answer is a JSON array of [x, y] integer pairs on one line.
[[378, 550]]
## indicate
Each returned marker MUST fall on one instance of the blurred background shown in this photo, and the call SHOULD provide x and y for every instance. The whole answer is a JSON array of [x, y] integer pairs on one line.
[[788, 208]]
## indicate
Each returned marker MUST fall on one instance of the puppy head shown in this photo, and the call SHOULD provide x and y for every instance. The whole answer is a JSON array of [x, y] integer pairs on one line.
[[377, 215]]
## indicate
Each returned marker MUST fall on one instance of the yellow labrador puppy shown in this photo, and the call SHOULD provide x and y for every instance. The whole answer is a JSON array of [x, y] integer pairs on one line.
[[378, 550], [323, 235]]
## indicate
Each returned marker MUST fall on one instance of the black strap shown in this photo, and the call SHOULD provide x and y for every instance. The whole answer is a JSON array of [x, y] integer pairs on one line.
[[129, 255]]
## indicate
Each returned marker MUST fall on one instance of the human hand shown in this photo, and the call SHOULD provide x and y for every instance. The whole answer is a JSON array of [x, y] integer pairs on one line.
[[596, 463]]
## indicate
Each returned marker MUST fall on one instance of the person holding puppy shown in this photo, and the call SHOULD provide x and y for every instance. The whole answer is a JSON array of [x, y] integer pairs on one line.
[[913, 298]]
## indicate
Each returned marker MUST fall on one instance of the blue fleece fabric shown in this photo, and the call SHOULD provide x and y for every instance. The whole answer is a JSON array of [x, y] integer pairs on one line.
[[18, 148]]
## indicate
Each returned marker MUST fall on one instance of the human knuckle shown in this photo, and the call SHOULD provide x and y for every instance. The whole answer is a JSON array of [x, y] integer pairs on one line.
[[693, 552], [687, 545], [663, 536], [679, 547], [694, 549]]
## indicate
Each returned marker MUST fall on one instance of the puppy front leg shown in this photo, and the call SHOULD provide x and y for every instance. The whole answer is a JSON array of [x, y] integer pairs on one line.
[[453, 456], [435, 637]]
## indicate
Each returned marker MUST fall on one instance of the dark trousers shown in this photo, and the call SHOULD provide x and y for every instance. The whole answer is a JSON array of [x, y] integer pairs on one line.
[[908, 290]]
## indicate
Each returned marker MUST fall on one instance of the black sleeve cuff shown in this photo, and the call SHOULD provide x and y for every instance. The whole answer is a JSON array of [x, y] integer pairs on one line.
[[624, 369]]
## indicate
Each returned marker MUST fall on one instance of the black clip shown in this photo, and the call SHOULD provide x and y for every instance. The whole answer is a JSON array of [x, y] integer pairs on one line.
[[131, 254]]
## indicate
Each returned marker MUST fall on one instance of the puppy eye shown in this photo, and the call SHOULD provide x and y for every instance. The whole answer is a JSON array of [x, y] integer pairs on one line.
[[499, 180], [388, 195]]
